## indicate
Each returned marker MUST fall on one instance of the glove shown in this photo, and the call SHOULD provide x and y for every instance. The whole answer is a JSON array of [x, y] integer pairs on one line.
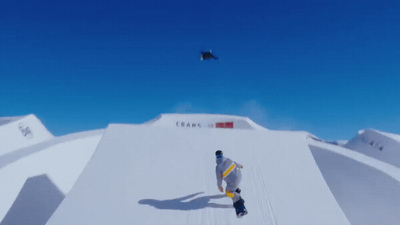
[[221, 189], [241, 167]]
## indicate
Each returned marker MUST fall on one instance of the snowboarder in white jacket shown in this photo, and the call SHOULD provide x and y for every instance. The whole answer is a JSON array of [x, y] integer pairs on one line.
[[229, 171]]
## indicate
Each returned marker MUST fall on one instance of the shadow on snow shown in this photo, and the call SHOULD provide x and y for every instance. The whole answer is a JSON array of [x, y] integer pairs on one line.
[[36, 202], [181, 204]]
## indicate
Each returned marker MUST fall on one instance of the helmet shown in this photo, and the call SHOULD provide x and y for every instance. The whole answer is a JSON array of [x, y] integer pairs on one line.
[[219, 153]]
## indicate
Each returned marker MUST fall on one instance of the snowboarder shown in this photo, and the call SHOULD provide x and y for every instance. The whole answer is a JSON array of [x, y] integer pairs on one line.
[[207, 55], [229, 171]]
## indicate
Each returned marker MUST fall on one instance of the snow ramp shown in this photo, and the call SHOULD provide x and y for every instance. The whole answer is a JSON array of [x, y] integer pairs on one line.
[[19, 132], [379, 145], [144, 174], [367, 189], [34, 179]]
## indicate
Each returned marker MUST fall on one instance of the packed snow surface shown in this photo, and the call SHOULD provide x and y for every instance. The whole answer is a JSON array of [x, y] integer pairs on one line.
[[163, 172], [143, 174]]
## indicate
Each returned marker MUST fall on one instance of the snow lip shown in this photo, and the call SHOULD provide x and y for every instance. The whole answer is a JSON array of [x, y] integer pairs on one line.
[[375, 134], [202, 120], [377, 144], [372, 162], [395, 137], [5, 121], [13, 156]]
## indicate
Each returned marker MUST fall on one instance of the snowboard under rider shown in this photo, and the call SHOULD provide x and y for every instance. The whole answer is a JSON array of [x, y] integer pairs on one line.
[[229, 171]]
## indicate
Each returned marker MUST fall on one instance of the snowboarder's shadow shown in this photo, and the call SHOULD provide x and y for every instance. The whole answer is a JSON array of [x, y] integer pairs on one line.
[[181, 204]]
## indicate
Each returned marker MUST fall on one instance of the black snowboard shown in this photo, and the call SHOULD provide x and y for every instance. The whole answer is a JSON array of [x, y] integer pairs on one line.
[[240, 208]]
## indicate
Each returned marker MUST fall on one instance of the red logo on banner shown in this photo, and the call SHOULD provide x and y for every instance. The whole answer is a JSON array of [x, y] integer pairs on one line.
[[224, 125]]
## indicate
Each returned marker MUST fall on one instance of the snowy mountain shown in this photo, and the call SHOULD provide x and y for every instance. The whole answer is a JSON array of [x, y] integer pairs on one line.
[[163, 172]]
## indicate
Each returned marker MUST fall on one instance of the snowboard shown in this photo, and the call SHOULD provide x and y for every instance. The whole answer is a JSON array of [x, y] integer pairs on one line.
[[240, 208]]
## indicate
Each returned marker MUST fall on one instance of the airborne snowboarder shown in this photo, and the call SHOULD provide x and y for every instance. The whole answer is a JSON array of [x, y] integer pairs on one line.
[[207, 55], [229, 171]]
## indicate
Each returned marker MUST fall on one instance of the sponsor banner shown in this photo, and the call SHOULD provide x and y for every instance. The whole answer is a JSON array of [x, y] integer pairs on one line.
[[202, 125], [224, 125], [188, 124]]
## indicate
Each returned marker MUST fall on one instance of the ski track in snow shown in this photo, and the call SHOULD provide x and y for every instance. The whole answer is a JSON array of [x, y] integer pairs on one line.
[[263, 200], [260, 187], [184, 155]]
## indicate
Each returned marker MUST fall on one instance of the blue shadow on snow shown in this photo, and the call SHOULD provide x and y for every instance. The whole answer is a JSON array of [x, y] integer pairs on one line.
[[181, 204]]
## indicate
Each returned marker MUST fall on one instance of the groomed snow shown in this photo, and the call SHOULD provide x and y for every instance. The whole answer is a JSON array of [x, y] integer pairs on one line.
[[143, 174], [162, 172]]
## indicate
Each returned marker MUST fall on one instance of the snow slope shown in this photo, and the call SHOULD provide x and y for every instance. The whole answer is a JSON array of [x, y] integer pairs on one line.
[[367, 189], [153, 174], [162, 172], [380, 145], [48, 169], [19, 132]]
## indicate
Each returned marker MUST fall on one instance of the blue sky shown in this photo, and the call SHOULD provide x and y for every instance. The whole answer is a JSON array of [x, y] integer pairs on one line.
[[329, 67]]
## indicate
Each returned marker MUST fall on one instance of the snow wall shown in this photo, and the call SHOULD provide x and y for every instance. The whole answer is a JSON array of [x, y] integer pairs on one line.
[[367, 189], [156, 174]]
